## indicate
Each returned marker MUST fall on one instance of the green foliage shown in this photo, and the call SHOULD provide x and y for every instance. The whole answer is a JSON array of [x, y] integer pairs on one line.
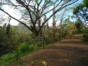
[[80, 12], [85, 35], [6, 41], [9, 43], [36, 1], [26, 47], [71, 29], [85, 3], [58, 34], [2, 35], [48, 35], [79, 26], [23, 49], [79, 7], [63, 32], [7, 59]]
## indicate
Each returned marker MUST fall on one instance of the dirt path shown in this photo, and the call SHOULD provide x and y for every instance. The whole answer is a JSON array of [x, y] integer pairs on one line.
[[68, 52]]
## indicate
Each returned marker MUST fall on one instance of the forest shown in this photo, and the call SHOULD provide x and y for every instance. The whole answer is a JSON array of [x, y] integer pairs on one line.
[[41, 25]]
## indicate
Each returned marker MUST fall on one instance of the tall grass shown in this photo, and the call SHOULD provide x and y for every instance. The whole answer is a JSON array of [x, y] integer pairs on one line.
[[23, 49]]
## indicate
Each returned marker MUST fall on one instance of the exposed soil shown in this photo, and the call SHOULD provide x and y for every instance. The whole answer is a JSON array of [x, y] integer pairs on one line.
[[68, 52]]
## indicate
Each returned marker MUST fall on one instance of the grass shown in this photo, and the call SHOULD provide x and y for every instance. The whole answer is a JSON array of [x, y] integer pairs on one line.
[[78, 36], [22, 50]]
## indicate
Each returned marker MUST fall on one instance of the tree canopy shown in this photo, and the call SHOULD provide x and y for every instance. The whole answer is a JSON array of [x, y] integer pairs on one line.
[[34, 11], [81, 11]]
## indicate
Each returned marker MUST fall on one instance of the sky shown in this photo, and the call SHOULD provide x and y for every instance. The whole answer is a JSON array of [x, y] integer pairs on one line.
[[14, 13], [67, 13], [17, 15]]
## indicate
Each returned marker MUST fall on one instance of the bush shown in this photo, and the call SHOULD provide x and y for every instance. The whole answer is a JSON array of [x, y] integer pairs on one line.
[[6, 59], [85, 38], [2, 36], [9, 43], [22, 50], [85, 35], [23, 47]]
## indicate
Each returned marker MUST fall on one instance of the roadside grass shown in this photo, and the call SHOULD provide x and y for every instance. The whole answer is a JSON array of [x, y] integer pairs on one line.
[[21, 51], [78, 36], [86, 42]]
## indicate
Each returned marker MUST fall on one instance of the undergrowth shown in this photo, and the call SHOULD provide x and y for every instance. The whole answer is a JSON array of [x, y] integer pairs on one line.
[[22, 50]]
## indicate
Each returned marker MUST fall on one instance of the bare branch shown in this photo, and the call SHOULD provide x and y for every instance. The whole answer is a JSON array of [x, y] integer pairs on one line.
[[55, 13], [15, 19], [27, 8], [51, 9], [38, 10], [40, 2]]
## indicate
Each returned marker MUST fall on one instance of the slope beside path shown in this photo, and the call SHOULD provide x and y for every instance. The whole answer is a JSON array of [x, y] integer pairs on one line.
[[68, 52]]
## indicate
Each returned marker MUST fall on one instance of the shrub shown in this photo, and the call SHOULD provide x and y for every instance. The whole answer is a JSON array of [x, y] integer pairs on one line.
[[85, 38], [22, 50], [23, 47], [6, 59], [85, 35]]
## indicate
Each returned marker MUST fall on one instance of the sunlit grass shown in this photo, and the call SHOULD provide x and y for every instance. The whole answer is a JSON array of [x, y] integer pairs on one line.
[[22, 50]]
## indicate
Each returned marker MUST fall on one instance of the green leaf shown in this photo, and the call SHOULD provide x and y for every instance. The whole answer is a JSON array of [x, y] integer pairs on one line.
[[79, 7], [85, 2], [36, 1]]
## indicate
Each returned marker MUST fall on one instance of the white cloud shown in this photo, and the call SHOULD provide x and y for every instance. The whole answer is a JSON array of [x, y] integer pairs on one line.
[[14, 22], [51, 22], [58, 23], [13, 13]]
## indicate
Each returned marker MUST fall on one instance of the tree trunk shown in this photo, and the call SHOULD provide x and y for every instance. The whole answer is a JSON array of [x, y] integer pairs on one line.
[[54, 25]]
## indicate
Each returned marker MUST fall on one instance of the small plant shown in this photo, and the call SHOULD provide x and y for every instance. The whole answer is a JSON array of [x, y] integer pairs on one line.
[[38, 63], [22, 50], [23, 47], [85, 35]]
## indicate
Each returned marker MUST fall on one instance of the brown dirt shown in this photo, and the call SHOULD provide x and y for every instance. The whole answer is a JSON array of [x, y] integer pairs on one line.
[[68, 52]]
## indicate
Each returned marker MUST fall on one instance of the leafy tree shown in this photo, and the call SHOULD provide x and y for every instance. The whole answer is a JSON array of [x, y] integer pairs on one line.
[[85, 3], [71, 29], [81, 11], [85, 35], [35, 10], [79, 26]]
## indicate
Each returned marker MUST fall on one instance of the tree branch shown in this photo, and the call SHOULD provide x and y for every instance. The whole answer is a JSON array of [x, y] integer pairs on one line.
[[16, 19], [27, 8], [55, 13], [51, 9]]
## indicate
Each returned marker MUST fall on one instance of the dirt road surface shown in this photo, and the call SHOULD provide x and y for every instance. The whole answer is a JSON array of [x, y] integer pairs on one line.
[[68, 52]]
